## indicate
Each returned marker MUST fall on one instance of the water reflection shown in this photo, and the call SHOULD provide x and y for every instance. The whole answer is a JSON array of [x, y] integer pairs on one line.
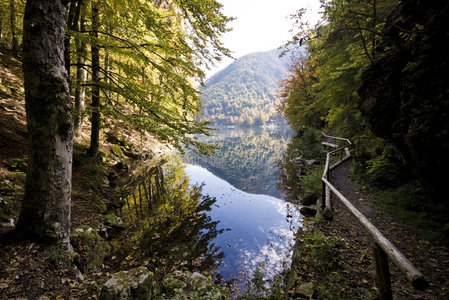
[[300, 167], [242, 177], [261, 227], [169, 220], [247, 158]]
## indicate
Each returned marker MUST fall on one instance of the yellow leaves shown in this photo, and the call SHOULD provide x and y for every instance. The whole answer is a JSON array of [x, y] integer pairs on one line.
[[333, 114]]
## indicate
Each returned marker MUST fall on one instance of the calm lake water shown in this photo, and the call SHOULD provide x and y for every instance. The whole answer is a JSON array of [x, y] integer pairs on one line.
[[242, 177]]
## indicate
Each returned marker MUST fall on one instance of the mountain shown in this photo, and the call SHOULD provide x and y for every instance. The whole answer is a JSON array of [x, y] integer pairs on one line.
[[245, 92]]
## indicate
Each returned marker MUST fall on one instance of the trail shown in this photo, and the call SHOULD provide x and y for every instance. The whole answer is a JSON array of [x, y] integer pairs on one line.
[[430, 258]]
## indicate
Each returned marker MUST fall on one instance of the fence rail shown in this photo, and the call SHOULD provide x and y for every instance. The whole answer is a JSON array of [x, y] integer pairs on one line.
[[382, 248]]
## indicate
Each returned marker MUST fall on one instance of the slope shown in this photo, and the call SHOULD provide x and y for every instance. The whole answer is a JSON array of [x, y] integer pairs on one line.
[[245, 93]]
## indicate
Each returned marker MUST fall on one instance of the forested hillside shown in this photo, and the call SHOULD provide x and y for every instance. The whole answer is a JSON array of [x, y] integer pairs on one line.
[[246, 92]]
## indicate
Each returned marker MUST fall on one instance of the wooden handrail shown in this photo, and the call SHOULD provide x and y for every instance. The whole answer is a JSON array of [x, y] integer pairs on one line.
[[337, 138], [411, 272]]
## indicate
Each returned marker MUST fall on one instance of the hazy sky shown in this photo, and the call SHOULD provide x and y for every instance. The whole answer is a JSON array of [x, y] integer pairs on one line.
[[261, 25]]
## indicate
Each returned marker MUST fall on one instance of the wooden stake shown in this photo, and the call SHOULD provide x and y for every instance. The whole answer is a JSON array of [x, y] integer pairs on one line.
[[382, 273]]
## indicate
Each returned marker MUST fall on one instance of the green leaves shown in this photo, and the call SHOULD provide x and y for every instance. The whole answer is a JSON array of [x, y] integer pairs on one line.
[[323, 87], [151, 53]]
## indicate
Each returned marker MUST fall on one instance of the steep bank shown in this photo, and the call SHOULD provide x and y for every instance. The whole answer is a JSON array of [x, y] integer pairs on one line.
[[34, 270]]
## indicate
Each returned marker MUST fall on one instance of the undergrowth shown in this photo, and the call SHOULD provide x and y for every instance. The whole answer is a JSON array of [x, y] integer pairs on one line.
[[405, 200]]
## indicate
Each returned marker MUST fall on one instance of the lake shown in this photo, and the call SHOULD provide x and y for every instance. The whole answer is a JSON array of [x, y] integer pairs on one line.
[[242, 176]]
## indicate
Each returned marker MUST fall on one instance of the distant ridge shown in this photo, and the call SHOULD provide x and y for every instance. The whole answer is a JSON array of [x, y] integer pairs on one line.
[[245, 92]]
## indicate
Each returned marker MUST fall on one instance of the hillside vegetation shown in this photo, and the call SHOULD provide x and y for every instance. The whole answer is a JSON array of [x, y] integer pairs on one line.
[[374, 74], [246, 92]]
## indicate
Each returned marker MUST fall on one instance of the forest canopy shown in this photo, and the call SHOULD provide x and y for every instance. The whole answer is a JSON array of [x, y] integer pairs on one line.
[[138, 61]]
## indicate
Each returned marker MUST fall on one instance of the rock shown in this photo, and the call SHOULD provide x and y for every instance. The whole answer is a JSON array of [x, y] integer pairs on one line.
[[188, 285], [133, 284], [308, 211], [139, 284], [79, 275], [5, 209], [91, 248], [9, 224], [312, 162], [309, 200], [113, 221], [305, 290], [112, 226]]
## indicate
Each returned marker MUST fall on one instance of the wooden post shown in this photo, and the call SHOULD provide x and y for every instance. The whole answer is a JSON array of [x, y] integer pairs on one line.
[[327, 213], [323, 195], [382, 273]]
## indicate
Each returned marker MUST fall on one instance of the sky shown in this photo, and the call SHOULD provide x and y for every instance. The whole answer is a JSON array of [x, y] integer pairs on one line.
[[261, 25]]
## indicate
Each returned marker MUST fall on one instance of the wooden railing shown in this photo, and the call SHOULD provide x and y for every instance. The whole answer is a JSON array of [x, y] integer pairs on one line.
[[382, 248]]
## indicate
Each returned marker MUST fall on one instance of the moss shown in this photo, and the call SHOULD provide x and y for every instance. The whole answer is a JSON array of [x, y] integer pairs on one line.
[[102, 208], [187, 285], [111, 220], [5, 209], [91, 247], [133, 284], [116, 150], [57, 254], [171, 284]]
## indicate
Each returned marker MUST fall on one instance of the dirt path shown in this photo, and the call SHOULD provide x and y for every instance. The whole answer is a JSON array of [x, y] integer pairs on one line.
[[431, 259]]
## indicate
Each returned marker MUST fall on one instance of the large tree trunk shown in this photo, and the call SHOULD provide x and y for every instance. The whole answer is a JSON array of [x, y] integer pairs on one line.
[[96, 116], [45, 213], [81, 73]]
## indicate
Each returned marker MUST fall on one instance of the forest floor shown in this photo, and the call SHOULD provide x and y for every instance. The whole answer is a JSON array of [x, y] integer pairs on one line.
[[30, 270], [431, 258]]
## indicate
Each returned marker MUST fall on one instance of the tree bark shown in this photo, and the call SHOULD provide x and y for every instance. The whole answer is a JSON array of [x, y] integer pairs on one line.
[[45, 212], [71, 23], [81, 73], [1, 24], [96, 109], [14, 43]]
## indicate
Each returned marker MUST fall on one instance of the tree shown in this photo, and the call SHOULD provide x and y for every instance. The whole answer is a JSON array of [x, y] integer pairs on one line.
[[154, 53], [95, 105], [14, 43], [81, 70], [340, 50], [45, 212], [300, 103]]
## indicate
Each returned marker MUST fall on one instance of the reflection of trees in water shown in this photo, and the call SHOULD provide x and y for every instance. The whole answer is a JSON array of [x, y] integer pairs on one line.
[[247, 158], [169, 220], [299, 165]]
